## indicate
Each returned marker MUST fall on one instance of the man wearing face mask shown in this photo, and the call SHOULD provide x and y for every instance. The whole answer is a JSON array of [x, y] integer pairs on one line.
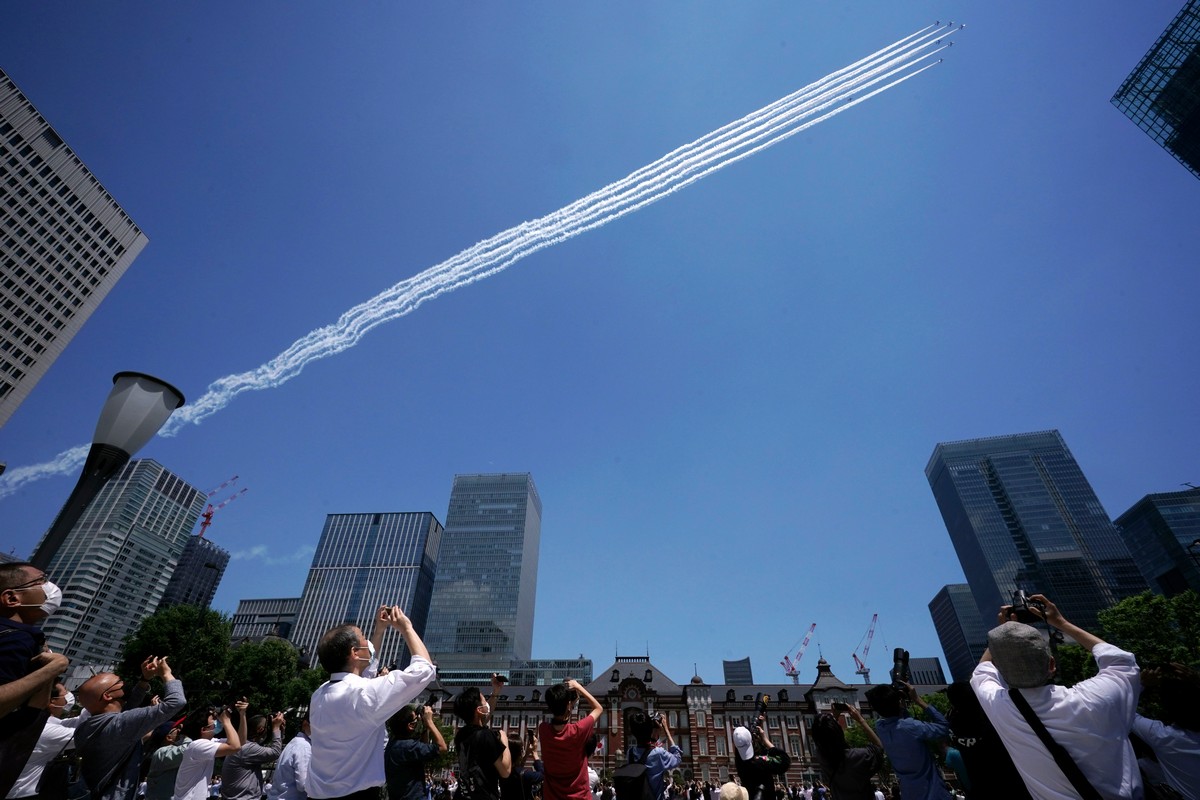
[[27, 671], [348, 713], [110, 740], [55, 738], [483, 754], [206, 729]]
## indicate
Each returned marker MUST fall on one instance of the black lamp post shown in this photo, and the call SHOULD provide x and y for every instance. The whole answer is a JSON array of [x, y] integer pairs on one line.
[[136, 408]]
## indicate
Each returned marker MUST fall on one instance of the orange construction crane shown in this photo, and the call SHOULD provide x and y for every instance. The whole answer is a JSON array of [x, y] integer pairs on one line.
[[791, 667], [207, 514], [861, 667]]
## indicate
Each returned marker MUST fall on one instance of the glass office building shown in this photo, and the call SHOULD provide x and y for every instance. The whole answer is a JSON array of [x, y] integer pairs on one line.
[[1162, 532], [259, 618], [200, 569], [1162, 94], [64, 244], [481, 617], [364, 561], [960, 628], [1021, 515], [115, 564]]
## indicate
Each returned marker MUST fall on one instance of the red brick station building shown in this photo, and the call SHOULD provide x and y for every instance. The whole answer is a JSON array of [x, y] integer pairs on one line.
[[702, 716]]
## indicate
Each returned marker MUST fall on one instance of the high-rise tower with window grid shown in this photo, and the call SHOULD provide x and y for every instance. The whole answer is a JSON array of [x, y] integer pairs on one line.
[[115, 564], [64, 243], [481, 617], [364, 561], [1022, 515]]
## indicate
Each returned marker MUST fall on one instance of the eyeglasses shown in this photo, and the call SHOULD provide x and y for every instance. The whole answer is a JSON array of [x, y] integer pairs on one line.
[[38, 581]]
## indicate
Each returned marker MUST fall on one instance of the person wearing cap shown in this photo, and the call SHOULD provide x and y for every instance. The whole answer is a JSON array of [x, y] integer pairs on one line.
[[906, 740], [1090, 720], [757, 772], [165, 760], [731, 791]]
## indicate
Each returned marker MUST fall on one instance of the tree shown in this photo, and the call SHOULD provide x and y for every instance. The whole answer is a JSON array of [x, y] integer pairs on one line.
[[1073, 664], [263, 672], [196, 642]]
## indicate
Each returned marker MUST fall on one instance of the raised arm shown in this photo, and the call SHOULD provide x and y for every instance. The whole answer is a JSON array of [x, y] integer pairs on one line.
[[597, 709], [233, 743], [47, 667], [862, 723]]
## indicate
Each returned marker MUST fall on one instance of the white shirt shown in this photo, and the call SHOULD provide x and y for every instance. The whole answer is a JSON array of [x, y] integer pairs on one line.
[[53, 740], [347, 716], [195, 768], [290, 781], [1091, 720], [1178, 752]]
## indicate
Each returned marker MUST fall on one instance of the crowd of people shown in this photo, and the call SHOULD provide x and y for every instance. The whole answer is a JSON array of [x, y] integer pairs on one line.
[[1011, 732]]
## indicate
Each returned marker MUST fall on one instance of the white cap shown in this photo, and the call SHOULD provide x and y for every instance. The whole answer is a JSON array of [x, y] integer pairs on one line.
[[743, 742]]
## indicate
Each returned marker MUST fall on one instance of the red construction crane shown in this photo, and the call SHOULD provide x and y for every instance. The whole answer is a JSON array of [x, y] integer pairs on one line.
[[207, 514], [791, 667], [859, 663]]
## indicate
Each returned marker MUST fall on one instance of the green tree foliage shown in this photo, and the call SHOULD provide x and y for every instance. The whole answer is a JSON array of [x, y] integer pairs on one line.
[[196, 642], [263, 672], [1073, 664], [1156, 629]]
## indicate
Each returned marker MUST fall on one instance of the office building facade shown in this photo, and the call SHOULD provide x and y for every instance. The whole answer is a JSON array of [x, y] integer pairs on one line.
[[1162, 532], [1021, 515], [481, 616], [64, 243], [1162, 94], [200, 569], [738, 673], [364, 561], [960, 628], [115, 564], [259, 618]]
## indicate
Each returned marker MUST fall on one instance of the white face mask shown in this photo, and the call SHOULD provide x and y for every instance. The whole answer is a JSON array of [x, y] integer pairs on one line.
[[69, 699], [487, 709], [371, 649], [53, 599]]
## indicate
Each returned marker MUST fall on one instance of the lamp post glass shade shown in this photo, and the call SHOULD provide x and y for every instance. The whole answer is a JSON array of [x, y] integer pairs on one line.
[[136, 408]]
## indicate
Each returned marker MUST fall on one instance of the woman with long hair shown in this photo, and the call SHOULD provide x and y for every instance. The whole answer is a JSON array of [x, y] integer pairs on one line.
[[847, 771]]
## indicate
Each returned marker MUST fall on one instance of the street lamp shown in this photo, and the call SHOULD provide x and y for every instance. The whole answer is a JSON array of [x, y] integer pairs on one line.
[[136, 408]]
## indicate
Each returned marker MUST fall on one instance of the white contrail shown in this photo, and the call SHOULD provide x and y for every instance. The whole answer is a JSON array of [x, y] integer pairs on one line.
[[682, 167]]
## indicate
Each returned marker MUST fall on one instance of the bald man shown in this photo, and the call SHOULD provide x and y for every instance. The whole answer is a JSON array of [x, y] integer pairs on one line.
[[110, 741]]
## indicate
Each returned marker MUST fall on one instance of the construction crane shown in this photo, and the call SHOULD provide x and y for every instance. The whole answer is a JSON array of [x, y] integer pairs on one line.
[[207, 514], [860, 665], [791, 667]]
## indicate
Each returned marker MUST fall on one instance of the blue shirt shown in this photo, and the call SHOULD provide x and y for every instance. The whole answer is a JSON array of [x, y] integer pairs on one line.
[[904, 741], [658, 763]]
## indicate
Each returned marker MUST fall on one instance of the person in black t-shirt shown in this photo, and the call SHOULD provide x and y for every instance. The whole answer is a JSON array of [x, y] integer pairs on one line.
[[483, 757]]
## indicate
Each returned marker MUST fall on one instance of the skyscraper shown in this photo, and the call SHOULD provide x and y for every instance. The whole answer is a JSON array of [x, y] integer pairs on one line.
[[64, 243], [481, 617], [960, 628], [274, 616], [364, 561], [200, 569], [1162, 94], [1162, 531], [115, 563], [1021, 515]]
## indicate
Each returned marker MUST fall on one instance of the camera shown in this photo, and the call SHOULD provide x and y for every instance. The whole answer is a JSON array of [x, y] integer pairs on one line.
[[840, 707], [1023, 607], [760, 710], [900, 672]]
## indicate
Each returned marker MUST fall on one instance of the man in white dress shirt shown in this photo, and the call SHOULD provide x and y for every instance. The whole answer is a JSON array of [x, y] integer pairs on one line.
[[1090, 720], [348, 713]]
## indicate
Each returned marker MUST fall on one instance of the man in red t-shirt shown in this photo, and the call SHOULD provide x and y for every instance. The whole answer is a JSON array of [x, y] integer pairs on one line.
[[563, 756]]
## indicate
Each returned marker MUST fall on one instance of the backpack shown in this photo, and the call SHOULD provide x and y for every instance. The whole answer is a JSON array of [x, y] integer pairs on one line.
[[631, 781], [473, 784]]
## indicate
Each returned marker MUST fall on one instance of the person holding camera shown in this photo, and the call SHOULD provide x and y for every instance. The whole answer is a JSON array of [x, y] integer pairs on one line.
[[483, 754], [905, 739], [758, 762], [651, 731], [847, 770], [204, 727], [406, 756], [563, 757], [289, 781], [1088, 723], [348, 713], [241, 773]]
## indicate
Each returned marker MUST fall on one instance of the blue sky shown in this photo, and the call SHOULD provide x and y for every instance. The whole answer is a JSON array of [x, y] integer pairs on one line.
[[727, 399]]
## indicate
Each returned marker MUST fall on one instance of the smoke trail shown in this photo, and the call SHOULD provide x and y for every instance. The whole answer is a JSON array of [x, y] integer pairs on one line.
[[683, 166]]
